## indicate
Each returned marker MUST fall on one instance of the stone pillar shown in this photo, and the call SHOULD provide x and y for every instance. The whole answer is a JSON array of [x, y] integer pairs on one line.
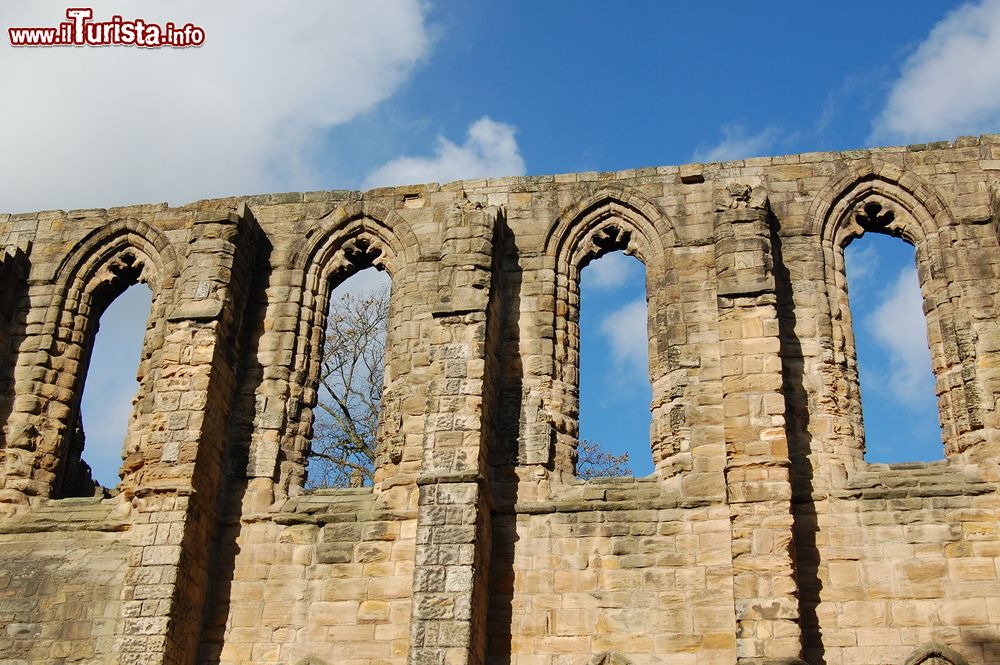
[[450, 585], [174, 490], [757, 464]]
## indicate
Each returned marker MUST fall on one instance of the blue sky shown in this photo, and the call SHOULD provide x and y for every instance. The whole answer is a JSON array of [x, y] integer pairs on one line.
[[326, 95]]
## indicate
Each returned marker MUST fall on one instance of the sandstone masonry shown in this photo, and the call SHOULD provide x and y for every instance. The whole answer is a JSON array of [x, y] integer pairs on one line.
[[762, 537]]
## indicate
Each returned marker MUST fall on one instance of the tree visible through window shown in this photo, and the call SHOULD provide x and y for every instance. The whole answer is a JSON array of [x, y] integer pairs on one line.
[[352, 375], [894, 363]]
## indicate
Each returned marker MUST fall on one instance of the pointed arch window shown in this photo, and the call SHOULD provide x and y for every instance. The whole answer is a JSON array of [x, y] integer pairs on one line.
[[344, 444], [893, 203], [615, 388], [610, 223], [891, 357], [111, 386], [346, 242], [124, 255]]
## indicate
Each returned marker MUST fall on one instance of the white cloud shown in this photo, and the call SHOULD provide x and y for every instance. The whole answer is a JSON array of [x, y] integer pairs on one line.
[[95, 127], [490, 149], [87, 126], [626, 332], [608, 272], [899, 327], [862, 260], [951, 84], [737, 144]]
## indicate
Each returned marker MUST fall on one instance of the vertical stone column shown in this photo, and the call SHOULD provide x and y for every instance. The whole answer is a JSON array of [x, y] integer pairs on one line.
[[757, 464], [453, 522], [174, 488]]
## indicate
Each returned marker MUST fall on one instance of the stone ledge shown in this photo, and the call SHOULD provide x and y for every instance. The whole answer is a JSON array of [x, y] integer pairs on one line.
[[582, 505], [320, 519], [909, 480], [334, 505], [918, 492], [87, 514], [910, 475]]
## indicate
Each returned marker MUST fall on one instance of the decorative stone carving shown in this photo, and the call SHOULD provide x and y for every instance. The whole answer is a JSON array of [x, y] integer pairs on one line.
[[738, 195], [873, 217]]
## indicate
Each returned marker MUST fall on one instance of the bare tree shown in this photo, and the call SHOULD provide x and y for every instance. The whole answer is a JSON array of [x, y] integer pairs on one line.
[[595, 462], [352, 374], [351, 380]]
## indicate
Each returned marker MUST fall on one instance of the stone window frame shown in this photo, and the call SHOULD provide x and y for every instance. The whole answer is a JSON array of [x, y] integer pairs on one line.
[[94, 273], [338, 245], [921, 218], [613, 219], [937, 651]]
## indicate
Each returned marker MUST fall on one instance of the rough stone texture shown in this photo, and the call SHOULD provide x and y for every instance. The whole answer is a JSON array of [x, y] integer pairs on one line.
[[762, 537], [60, 585]]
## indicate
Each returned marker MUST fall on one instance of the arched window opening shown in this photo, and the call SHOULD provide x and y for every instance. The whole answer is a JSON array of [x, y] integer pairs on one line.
[[898, 399], [615, 389], [351, 381], [935, 653], [111, 385]]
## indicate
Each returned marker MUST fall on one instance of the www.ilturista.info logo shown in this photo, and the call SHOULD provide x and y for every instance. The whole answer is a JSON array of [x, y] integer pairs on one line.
[[80, 30]]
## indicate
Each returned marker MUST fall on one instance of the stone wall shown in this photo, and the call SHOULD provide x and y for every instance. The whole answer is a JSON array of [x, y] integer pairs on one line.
[[61, 584], [763, 535]]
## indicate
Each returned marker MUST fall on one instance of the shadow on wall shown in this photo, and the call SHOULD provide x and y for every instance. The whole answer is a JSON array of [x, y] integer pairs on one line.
[[14, 268], [505, 454], [804, 521], [235, 465]]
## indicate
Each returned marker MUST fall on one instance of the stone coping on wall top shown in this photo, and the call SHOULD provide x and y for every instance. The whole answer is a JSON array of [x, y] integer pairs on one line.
[[912, 474], [510, 181], [549, 507], [319, 518], [911, 480], [613, 488], [76, 514], [611, 494], [918, 492], [332, 505]]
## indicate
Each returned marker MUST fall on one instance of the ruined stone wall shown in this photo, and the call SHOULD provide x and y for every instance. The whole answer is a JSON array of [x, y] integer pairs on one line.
[[61, 584], [331, 574], [763, 536]]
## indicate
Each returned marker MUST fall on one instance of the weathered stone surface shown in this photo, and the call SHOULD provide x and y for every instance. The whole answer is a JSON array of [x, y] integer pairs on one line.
[[762, 537]]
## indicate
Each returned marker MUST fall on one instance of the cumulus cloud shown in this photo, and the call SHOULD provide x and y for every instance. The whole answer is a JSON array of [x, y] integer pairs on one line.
[[736, 143], [951, 84], [490, 149], [96, 127], [899, 327], [625, 330], [87, 126]]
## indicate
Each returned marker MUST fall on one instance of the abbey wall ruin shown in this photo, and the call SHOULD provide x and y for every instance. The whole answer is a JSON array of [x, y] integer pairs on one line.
[[762, 537]]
